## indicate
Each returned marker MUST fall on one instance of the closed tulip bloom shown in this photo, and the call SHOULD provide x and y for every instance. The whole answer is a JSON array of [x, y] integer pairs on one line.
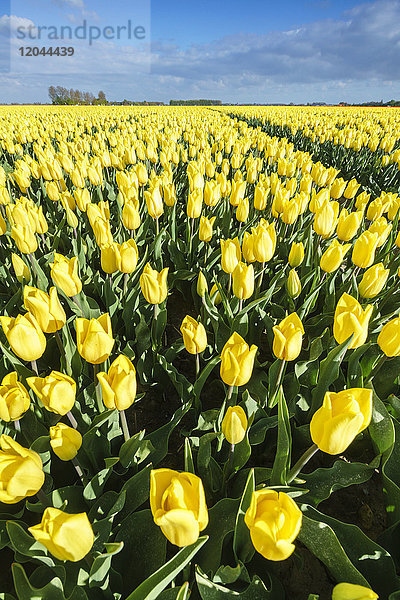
[[202, 285], [130, 216], [21, 471], [206, 229], [373, 281], [46, 308], [296, 255], [119, 384], [57, 391], [288, 338], [243, 281], [337, 188], [350, 591], [67, 536], [82, 198], [65, 441], [348, 224], [350, 318], [293, 284], [325, 218], [194, 335], [3, 225], [237, 361], [154, 202], [389, 338], [195, 203], [274, 521], [64, 273], [242, 211], [129, 256], [333, 256], [363, 254], [111, 258], [14, 398], [215, 295], [154, 284], [24, 336], [260, 197], [247, 247], [234, 424], [102, 232], [21, 269], [362, 199], [382, 228], [230, 254], [25, 238], [94, 338], [178, 505], [340, 419], [351, 189], [264, 241], [237, 193]]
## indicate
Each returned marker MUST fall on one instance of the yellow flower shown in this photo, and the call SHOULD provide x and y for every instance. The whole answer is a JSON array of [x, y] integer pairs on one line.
[[21, 471], [66, 536], [337, 188], [21, 269], [24, 336], [242, 211], [333, 256], [348, 224], [288, 338], [296, 255], [194, 203], [130, 216], [364, 249], [382, 228], [202, 285], [274, 521], [119, 384], [94, 338], [178, 505], [350, 591], [247, 247], [264, 241], [350, 319], [351, 189], [230, 254], [154, 284], [110, 258], [293, 284], [14, 398], [237, 193], [234, 424], [373, 281], [389, 338], [46, 308], [65, 441], [243, 281], [237, 361], [25, 238], [64, 273], [215, 295], [206, 229], [154, 202], [56, 391], [129, 256], [194, 335], [325, 218], [340, 419]]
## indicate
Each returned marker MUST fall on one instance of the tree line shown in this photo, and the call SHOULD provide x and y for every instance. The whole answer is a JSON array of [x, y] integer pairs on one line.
[[61, 95]]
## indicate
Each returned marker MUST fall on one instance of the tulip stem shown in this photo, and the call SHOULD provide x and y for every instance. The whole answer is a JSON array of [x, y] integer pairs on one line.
[[97, 386], [124, 425], [72, 420], [278, 382], [33, 266], [77, 302], [62, 352], [197, 365], [240, 305], [261, 272], [376, 368], [229, 285], [157, 226], [125, 283], [35, 367], [78, 469], [17, 425], [303, 460], [43, 498]]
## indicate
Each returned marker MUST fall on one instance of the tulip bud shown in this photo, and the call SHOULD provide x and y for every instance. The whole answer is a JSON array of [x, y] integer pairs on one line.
[[340, 419], [66, 536], [293, 284], [65, 441], [243, 281], [25, 239], [230, 254], [351, 189], [64, 273], [264, 241], [348, 225], [129, 256], [215, 295], [274, 521], [206, 229], [234, 424], [194, 335], [14, 398], [178, 505], [111, 258], [237, 361], [296, 255], [154, 202], [333, 256], [130, 216], [373, 281], [363, 254], [119, 384], [21, 269], [288, 338], [389, 338], [94, 338], [349, 319], [141, 173], [154, 284], [382, 228], [21, 471], [24, 336], [202, 285], [351, 591]]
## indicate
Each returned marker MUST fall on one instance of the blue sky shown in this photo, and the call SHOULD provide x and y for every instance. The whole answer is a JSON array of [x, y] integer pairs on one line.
[[254, 51]]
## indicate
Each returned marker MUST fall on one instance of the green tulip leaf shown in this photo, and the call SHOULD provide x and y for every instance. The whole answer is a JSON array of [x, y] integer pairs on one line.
[[242, 545]]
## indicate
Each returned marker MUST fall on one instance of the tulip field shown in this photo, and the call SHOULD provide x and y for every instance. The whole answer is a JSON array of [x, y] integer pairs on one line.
[[199, 353]]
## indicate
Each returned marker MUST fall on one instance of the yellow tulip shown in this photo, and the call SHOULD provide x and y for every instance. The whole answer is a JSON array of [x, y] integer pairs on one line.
[[230, 254], [46, 308], [364, 249], [14, 398], [340, 419], [215, 295], [373, 281], [206, 229], [288, 338], [21, 471], [234, 425], [178, 505], [129, 256], [243, 281], [247, 247], [293, 284], [237, 361], [348, 224], [350, 318], [82, 198], [337, 188], [154, 284], [102, 232], [389, 338], [202, 285], [194, 335], [94, 338], [325, 218], [260, 197], [111, 258], [25, 238], [119, 384], [351, 189], [333, 256], [264, 241], [57, 391], [24, 336], [296, 255], [65, 441], [274, 521], [154, 202], [242, 211], [237, 193], [21, 269], [67, 536], [130, 216], [195, 203], [351, 591], [64, 273], [382, 228]]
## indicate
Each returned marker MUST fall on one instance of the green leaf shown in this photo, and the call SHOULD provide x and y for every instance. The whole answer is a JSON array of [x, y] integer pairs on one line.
[[205, 373], [52, 591], [151, 588], [222, 521], [137, 490], [284, 443], [255, 591], [189, 464], [329, 372], [242, 545], [159, 438], [23, 543], [100, 570]]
